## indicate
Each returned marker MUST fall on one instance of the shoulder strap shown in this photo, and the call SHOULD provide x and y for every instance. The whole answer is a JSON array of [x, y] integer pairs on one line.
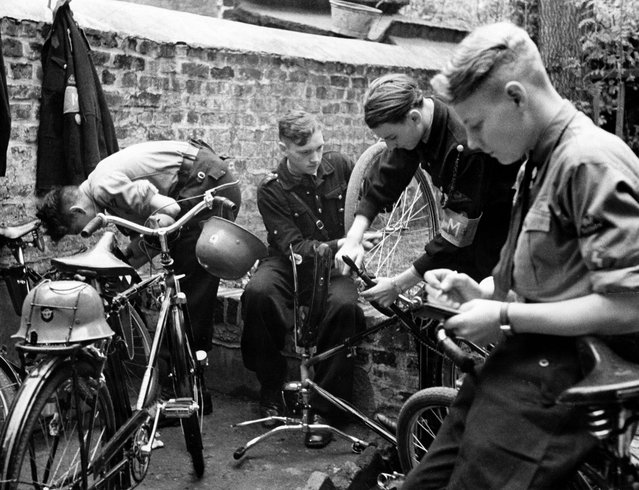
[[319, 224]]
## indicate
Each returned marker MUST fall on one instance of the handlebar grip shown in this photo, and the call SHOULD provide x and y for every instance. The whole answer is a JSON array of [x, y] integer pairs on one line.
[[462, 360], [351, 263], [225, 203], [92, 226]]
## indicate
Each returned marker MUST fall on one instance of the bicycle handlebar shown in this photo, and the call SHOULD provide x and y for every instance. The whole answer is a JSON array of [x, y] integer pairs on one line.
[[445, 341], [208, 200]]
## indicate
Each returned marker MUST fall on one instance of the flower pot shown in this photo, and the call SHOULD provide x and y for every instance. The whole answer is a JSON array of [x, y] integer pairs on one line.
[[353, 20]]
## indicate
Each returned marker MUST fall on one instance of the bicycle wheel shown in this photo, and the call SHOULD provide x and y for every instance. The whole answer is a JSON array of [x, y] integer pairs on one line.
[[187, 384], [405, 228], [420, 418], [41, 439], [9, 384], [135, 351]]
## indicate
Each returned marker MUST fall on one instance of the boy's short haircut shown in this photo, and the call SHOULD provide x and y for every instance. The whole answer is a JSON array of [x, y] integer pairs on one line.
[[297, 127], [389, 98], [502, 47], [55, 210]]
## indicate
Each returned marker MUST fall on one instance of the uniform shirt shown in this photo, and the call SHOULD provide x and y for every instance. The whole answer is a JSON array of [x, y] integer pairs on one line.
[[475, 186], [124, 183], [288, 221], [581, 233]]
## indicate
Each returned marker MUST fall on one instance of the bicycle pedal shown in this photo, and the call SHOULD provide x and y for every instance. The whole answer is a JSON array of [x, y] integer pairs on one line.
[[179, 408]]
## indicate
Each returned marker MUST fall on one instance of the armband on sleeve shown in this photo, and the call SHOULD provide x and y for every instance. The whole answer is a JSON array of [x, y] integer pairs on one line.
[[458, 229]]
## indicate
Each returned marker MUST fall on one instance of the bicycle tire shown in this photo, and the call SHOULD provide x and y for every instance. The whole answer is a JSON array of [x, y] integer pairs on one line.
[[40, 441], [411, 222], [187, 384], [135, 352], [420, 417], [9, 384]]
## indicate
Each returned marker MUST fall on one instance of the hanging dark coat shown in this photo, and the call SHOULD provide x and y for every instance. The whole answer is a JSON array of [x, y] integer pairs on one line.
[[5, 116], [76, 130]]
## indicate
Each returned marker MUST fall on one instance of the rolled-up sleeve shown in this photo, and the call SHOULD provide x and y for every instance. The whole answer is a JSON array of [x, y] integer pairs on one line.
[[117, 191]]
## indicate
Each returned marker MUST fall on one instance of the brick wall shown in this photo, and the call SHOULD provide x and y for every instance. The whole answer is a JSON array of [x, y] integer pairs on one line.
[[229, 97]]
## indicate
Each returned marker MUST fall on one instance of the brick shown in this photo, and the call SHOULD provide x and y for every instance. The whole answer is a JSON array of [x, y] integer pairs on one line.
[[108, 78], [21, 71], [195, 70], [12, 47], [129, 79], [128, 62], [224, 73], [100, 58]]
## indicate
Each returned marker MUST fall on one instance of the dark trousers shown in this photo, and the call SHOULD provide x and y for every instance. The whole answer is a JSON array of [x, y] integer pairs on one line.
[[199, 286], [505, 429], [267, 311]]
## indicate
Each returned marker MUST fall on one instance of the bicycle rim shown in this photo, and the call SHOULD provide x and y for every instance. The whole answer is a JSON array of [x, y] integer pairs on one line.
[[44, 439], [135, 352], [9, 383], [420, 418], [187, 384], [411, 222]]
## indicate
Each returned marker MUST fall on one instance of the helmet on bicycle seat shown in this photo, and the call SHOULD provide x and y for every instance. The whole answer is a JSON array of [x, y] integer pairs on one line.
[[227, 250], [62, 312]]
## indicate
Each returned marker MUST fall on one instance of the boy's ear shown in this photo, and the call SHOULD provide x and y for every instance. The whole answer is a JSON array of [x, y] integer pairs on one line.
[[516, 92], [415, 115], [282, 146], [77, 209]]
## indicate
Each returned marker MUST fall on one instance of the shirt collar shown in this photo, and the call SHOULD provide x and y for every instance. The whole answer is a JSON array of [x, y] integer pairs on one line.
[[437, 128], [289, 181], [549, 138]]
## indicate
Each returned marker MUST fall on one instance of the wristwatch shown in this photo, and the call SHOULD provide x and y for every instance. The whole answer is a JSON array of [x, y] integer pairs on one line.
[[504, 321]]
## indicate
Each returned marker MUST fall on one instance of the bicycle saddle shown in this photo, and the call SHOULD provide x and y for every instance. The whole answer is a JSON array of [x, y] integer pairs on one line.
[[100, 260], [13, 232], [611, 379]]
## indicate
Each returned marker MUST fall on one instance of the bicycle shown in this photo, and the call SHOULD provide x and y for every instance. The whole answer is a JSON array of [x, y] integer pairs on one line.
[[298, 392], [19, 279], [72, 424], [103, 268], [608, 395]]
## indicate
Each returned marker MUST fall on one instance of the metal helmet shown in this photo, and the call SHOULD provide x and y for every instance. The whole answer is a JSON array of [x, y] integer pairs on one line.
[[227, 250], [62, 312]]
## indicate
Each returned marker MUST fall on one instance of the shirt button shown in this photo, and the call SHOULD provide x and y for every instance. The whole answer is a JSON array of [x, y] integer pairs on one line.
[[339, 197], [319, 209], [544, 362], [296, 215]]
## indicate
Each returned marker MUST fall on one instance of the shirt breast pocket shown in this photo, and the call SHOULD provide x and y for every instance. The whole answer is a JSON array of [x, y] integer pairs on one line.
[[304, 220], [334, 203], [536, 251]]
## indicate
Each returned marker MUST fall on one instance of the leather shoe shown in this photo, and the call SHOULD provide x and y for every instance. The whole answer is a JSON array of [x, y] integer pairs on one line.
[[318, 438]]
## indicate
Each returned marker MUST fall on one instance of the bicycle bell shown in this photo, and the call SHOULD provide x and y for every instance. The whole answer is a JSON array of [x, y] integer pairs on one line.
[[227, 250], [62, 312]]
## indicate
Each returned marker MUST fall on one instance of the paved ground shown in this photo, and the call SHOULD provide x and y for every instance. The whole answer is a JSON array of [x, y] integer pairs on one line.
[[281, 462]]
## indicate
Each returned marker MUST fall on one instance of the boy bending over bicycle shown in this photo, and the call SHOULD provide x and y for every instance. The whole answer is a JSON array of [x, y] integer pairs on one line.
[[152, 179], [571, 257]]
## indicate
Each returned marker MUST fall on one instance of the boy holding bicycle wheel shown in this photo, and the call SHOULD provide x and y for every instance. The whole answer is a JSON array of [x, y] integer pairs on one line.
[[571, 259], [158, 180], [423, 132]]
